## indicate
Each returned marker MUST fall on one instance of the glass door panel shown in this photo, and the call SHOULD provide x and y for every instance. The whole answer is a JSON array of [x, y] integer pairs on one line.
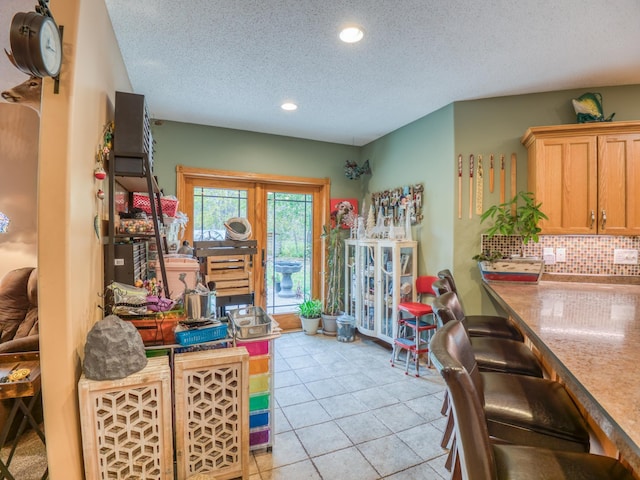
[[212, 207], [286, 216], [289, 253]]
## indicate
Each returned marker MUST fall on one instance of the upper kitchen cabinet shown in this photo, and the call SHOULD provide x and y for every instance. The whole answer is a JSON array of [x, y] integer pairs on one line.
[[584, 175]]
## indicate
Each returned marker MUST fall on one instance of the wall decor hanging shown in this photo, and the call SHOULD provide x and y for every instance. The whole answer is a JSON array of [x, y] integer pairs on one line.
[[99, 172], [4, 223], [102, 153], [344, 210], [394, 204], [352, 171]]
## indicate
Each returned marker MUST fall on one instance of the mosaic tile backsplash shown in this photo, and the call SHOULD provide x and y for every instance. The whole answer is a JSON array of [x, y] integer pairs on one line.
[[586, 254]]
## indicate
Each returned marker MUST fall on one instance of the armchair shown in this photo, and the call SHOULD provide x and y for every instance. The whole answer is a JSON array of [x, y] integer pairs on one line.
[[19, 311]]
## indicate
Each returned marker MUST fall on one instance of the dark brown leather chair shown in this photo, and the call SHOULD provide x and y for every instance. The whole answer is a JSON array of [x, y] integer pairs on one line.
[[478, 458], [479, 325], [521, 409], [493, 354], [18, 327], [19, 311]]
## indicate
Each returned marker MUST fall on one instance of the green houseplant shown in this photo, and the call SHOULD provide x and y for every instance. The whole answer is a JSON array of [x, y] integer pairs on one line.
[[310, 312], [515, 218], [333, 235], [518, 221]]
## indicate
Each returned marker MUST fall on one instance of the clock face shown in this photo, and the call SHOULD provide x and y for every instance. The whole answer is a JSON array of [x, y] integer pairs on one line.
[[36, 44], [50, 47]]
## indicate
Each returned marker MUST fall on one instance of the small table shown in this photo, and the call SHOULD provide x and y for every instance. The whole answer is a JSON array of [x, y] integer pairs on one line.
[[26, 394]]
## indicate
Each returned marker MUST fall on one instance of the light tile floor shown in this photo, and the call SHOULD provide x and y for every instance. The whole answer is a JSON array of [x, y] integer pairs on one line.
[[343, 413]]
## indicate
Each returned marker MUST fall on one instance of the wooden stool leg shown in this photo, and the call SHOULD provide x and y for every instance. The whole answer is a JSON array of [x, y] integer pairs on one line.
[[445, 403], [451, 457], [446, 436]]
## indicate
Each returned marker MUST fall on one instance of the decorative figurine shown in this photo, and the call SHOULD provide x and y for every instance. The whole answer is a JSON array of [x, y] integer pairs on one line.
[[588, 108], [352, 171]]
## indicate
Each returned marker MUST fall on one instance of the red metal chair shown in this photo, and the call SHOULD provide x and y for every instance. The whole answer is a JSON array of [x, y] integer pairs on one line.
[[415, 325]]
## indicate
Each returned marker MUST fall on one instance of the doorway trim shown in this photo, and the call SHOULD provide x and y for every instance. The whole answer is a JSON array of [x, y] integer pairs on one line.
[[186, 176]]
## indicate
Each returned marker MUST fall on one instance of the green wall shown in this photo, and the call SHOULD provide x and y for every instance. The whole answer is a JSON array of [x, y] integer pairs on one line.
[[420, 153], [225, 149], [424, 151], [496, 125]]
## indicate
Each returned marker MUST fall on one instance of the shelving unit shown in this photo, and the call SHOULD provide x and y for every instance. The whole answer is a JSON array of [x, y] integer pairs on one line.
[[130, 169], [261, 398], [379, 275]]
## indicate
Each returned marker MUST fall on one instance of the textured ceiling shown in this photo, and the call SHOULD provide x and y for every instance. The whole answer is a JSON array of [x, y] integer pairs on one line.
[[231, 63]]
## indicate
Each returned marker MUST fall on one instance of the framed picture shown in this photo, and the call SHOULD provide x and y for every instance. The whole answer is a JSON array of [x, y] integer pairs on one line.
[[345, 208]]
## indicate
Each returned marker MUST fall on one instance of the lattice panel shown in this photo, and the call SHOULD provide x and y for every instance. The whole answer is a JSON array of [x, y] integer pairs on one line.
[[126, 425], [212, 413]]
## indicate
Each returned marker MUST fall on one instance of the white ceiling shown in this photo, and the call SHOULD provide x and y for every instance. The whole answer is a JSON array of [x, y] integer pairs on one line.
[[231, 63]]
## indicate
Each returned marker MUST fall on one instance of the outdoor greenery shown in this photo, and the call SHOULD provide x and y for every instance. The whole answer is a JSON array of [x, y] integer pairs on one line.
[[289, 236], [513, 218], [310, 308], [214, 206], [288, 227]]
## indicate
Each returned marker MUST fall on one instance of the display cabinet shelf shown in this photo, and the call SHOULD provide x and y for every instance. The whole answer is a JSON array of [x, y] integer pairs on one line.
[[379, 274]]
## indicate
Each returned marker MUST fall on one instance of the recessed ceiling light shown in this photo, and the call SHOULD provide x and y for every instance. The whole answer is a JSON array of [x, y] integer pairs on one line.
[[289, 106], [351, 34]]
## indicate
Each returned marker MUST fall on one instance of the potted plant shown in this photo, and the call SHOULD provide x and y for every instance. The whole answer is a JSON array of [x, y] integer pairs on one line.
[[310, 311], [333, 235], [517, 220]]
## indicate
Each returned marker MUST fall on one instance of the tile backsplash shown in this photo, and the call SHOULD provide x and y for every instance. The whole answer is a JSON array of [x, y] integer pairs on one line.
[[585, 254]]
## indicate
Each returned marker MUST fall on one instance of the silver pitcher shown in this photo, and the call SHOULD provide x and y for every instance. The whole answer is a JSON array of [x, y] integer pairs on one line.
[[199, 305]]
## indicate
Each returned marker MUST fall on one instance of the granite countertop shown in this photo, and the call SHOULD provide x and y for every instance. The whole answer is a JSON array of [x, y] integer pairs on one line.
[[590, 334]]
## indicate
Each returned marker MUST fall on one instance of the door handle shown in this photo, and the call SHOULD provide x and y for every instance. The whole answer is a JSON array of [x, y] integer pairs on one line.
[[604, 219], [593, 219]]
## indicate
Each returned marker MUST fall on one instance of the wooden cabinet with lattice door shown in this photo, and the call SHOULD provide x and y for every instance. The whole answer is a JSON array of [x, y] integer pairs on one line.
[[127, 429], [126, 424], [211, 413]]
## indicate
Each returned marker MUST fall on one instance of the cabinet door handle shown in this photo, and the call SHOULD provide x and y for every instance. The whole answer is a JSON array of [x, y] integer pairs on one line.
[[593, 219], [604, 219]]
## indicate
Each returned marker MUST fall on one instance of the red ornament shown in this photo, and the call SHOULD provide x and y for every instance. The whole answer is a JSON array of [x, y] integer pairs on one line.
[[100, 194], [99, 173]]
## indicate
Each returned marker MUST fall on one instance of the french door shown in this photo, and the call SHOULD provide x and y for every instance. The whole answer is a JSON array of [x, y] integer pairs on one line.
[[286, 215]]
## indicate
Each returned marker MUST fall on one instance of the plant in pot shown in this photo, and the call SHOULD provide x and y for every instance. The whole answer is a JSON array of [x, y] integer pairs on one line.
[[515, 222], [310, 312], [333, 235]]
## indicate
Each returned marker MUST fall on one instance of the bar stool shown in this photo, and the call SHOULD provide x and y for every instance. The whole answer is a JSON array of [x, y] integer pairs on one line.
[[411, 330], [491, 354], [477, 457], [519, 409], [478, 325]]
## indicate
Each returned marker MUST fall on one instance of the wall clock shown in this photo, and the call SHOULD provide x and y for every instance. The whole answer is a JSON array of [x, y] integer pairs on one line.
[[36, 44]]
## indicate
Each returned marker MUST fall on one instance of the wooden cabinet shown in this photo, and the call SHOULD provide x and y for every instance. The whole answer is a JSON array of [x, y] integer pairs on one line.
[[585, 176]]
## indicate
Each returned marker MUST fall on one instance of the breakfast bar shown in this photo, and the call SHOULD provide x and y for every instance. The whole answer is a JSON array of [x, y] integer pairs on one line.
[[588, 334]]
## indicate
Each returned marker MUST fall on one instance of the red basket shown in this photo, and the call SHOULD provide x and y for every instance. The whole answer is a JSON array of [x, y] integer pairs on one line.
[[169, 205]]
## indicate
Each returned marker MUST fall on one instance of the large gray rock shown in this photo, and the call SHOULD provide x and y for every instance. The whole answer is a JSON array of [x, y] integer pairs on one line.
[[114, 349]]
